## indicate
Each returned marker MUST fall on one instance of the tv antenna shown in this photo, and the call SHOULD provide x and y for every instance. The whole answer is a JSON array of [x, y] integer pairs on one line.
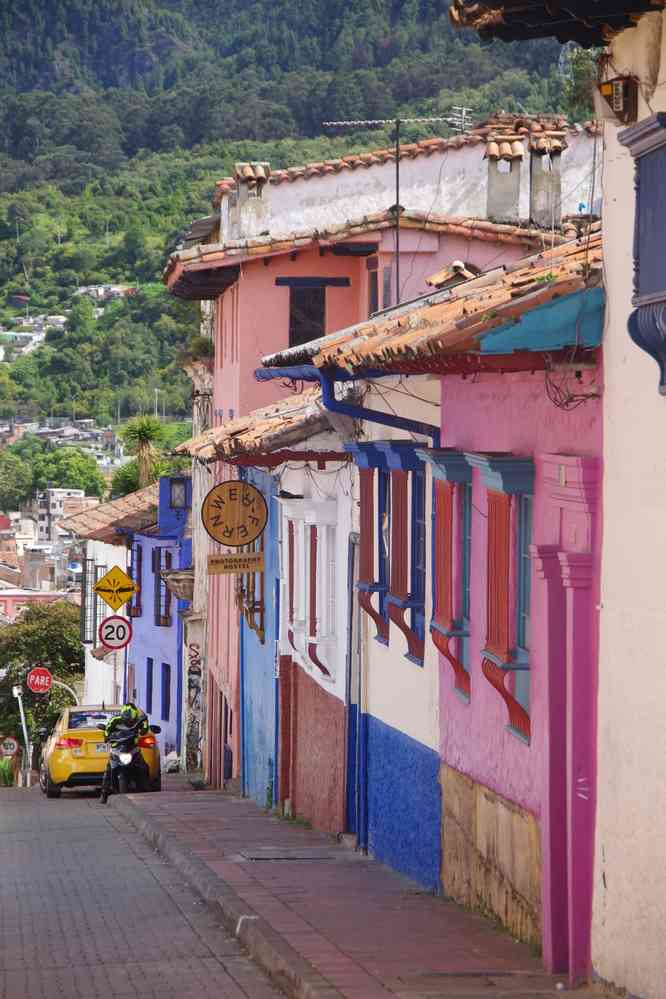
[[459, 119]]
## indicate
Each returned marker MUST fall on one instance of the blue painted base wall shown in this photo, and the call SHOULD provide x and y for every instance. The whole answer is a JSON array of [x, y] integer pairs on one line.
[[404, 804]]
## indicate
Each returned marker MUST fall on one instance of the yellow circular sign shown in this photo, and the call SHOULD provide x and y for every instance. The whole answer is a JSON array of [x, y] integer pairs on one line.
[[234, 513]]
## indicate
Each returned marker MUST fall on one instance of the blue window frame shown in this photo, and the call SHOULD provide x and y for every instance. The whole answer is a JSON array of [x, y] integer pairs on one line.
[[465, 508], [166, 692], [383, 536], [149, 686], [418, 544], [524, 586]]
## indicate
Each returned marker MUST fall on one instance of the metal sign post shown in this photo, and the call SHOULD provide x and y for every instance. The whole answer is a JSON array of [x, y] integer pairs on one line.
[[17, 691], [459, 119]]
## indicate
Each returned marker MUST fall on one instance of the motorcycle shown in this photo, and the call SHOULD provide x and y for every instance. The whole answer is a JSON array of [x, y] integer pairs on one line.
[[129, 770]]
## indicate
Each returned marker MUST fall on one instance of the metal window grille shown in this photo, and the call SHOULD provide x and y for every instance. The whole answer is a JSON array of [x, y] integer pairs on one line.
[[88, 599]]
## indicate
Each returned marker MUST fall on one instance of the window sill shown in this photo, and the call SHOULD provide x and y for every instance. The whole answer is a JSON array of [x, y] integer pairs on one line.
[[519, 662], [518, 735], [449, 632]]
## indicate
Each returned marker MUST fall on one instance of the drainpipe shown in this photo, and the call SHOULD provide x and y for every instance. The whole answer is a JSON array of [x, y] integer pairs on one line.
[[308, 372]]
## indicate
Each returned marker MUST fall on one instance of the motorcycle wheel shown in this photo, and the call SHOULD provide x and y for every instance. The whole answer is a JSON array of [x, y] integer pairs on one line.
[[123, 784]]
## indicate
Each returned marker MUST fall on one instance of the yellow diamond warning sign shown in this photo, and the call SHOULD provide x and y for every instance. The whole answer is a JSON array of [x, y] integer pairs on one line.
[[115, 588]]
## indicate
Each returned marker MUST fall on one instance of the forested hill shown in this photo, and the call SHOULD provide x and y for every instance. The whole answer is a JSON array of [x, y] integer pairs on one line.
[[109, 77], [118, 116]]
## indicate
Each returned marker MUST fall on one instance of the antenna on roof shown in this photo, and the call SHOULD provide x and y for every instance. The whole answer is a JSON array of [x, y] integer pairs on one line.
[[459, 119]]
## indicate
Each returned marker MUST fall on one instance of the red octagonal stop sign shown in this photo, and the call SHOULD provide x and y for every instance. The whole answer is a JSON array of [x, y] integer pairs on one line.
[[39, 680]]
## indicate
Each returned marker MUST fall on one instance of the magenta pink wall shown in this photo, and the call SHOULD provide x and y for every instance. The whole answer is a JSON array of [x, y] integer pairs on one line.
[[12, 604], [554, 777], [507, 413]]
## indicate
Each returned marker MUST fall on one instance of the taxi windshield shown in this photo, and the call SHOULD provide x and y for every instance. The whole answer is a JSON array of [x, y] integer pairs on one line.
[[88, 719]]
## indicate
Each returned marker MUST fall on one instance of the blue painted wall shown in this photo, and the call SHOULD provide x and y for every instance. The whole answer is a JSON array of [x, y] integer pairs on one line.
[[404, 804], [258, 685], [162, 644]]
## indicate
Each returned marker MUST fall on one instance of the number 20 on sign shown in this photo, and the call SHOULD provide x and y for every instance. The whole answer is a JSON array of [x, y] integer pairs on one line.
[[115, 632]]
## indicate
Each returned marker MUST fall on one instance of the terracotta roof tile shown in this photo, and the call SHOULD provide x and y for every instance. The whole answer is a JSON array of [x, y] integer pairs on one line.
[[276, 426], [235, 252], [459, 319], [101, 523], [511, 127]]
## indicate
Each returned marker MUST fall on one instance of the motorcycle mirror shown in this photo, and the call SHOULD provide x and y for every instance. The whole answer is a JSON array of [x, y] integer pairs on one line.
[[102, 728], [156, 729]]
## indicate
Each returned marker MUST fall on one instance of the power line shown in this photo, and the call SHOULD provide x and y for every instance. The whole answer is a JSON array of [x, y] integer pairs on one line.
[[459, 119]]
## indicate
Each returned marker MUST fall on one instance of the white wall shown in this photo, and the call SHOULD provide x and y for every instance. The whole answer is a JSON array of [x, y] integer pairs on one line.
[[629, 915], [450, 182], [398, 692], [104, 678], [334, 484]]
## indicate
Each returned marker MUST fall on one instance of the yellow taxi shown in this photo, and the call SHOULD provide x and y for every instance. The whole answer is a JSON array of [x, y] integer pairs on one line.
[[75, 754]]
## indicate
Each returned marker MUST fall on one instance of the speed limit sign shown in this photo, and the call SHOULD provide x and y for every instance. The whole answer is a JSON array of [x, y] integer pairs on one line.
[[115, 632]]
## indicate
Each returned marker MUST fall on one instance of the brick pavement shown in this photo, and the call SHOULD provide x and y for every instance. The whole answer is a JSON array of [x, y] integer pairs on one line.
[[364, 931], [89, 911]]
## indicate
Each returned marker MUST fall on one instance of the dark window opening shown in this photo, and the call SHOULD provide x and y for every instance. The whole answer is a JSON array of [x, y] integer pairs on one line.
[[373, 292], [166, 692], [149, 686], [387, 301], [307, 313]]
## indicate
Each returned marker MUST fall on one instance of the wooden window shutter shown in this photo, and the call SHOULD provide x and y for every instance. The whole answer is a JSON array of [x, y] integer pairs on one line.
[[366, 583], [399, 595], [498, 636], [499, 558], [443, 614]]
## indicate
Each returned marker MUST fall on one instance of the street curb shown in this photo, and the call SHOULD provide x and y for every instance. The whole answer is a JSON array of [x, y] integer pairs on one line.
[[284, 965]]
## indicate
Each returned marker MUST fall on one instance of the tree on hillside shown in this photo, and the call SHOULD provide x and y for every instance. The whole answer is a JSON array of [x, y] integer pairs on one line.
[[68, 468], [43, 634], [142, 436], [15, 481]]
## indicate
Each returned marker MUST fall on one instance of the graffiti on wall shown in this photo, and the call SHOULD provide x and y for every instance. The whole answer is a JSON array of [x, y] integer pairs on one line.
[[193, 758]]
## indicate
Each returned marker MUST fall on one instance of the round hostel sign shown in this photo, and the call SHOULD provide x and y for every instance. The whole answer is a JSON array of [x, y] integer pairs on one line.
[[234, 513]]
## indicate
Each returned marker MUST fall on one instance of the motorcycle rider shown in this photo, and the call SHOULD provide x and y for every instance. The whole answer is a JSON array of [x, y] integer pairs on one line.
[[128, 716]]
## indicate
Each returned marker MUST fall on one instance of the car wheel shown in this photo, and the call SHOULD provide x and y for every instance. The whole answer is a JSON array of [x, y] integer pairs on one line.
[[52, 790], [156, 785]]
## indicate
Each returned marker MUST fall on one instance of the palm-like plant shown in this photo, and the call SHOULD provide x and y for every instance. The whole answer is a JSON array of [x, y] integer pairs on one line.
[[142, 437]]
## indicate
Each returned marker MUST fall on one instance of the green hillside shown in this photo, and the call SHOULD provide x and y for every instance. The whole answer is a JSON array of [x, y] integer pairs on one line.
[[117, 117]]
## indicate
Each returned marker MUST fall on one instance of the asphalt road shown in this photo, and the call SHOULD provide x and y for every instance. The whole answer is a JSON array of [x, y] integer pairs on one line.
[[89, 911]]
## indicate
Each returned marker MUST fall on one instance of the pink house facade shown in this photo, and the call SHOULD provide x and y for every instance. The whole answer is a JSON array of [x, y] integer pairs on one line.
[[513, 572], [14, 600], [282, 270]]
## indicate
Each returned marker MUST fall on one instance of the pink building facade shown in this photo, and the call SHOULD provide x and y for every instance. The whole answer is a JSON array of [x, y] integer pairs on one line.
[[342, 275], [512, 586], [13, 601], [517, 728]]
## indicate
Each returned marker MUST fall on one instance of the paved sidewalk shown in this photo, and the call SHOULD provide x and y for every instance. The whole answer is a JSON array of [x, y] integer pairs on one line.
[[323, 920]]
